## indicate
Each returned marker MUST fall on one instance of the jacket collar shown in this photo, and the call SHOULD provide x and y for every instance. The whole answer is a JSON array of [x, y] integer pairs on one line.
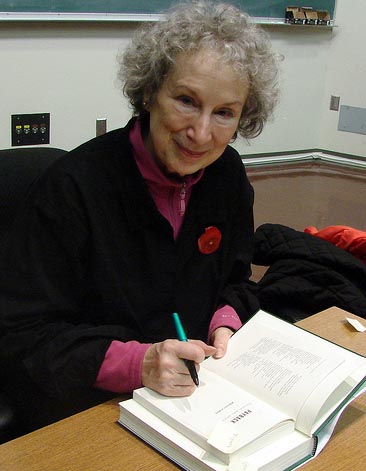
[[206, 204]]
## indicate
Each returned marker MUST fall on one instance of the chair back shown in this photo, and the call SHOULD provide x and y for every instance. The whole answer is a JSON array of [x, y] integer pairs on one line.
[[19, 169]]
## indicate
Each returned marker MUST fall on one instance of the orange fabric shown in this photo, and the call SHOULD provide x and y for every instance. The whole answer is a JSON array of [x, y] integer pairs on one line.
[[345, 237]]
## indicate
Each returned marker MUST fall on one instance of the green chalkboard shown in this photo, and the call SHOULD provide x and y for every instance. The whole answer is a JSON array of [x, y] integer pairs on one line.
[[262, 9]]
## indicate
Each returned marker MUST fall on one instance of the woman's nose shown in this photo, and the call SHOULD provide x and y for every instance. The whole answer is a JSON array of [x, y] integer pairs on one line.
[[200, 130]]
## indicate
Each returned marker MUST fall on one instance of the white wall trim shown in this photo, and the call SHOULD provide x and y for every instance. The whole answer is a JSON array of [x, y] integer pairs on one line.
[[305, 157], [64, 16]]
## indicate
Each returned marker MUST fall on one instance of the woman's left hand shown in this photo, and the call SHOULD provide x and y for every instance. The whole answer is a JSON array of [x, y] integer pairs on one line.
[[219, 339]]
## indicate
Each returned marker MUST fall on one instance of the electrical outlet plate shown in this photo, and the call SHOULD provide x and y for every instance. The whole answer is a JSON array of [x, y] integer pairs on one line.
[[334, 103], [100, 126], [30, 129]]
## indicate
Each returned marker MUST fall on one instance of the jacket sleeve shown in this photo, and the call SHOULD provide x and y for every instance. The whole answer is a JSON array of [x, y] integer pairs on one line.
[[45, 262]]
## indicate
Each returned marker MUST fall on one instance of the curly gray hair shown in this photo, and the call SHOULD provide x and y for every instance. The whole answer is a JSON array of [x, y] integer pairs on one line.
[[189, 27]]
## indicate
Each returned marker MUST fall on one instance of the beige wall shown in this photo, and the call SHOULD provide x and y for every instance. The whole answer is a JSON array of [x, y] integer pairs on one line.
[[68, 69], [345, 76], [312, 193], [322, 194]]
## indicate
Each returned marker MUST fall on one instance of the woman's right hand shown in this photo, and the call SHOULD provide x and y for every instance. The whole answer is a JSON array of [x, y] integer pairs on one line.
[[164, 370]]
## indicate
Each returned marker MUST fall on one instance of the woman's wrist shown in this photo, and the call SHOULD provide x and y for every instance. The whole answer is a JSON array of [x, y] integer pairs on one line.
[[225, 316], [121, 369]]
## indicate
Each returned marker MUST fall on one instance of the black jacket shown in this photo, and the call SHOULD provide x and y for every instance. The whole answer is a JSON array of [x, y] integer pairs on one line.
[[92, 260], [306, 274]]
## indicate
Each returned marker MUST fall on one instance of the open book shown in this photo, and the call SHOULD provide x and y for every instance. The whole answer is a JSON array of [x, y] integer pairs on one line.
[[270, 403]]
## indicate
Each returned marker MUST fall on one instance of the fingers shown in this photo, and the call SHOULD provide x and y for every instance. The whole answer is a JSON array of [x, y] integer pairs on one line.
[[207, 349], [164, 369], [220, 339], [194, 350]]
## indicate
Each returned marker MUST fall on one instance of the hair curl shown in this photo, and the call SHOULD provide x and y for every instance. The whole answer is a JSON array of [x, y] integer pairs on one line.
[[189, 27]]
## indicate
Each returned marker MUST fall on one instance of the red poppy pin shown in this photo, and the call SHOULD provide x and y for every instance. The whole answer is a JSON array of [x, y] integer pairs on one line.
[[210, 240]]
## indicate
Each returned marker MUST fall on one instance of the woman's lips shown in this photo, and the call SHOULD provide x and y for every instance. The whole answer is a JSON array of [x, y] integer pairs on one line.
[[190, 153]]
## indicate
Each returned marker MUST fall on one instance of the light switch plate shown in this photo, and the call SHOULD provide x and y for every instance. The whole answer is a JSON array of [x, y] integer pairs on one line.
[[352, 119]]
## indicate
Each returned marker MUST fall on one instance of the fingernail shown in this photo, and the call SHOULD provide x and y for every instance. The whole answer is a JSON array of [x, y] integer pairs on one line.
[[219, 353]]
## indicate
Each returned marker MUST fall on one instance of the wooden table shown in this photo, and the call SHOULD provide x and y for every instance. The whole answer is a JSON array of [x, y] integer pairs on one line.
[[93, 441]]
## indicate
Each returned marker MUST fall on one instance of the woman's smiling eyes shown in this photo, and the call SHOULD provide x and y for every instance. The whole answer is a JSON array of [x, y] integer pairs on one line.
[[186, 100], [226, 113], [190, 103]]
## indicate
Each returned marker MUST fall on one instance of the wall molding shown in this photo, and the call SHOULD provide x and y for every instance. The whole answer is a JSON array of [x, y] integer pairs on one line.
[[305, 156]]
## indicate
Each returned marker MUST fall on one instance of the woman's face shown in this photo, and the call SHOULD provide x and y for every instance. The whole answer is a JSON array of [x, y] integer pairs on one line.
[[195, 113]]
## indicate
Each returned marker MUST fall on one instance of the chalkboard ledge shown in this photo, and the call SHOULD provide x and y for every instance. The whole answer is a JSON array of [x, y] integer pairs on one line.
[[127, 17], [46, 16]]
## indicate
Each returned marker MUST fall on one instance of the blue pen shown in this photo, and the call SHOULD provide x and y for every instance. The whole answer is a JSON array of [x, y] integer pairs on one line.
[[182, 336]]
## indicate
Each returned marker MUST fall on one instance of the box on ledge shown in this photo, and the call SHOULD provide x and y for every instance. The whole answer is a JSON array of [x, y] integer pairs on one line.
[[306, 16]]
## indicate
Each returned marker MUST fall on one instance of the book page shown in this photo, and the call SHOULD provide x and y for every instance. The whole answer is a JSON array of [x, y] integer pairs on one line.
[[336, 401], [166, 439], [282, 363], [279, 454], [218, 414]]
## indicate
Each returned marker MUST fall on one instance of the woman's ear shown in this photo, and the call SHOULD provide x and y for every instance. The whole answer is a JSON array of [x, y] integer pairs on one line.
[[146, 103], [235, 136]]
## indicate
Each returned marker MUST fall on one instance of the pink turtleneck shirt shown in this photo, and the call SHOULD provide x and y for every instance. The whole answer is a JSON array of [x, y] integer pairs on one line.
[[120, 371]]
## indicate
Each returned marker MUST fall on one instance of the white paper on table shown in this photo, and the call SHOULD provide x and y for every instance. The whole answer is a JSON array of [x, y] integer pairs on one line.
[[356, 324]]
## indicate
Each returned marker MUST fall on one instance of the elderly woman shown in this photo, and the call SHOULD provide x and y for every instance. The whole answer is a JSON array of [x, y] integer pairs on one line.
[[141, 222]]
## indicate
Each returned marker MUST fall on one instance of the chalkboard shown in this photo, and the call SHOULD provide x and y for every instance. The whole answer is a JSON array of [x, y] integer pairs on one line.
[[256, 8]]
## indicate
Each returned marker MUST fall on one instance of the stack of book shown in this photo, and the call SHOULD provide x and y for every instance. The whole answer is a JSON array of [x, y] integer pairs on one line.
[[270, 404]]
